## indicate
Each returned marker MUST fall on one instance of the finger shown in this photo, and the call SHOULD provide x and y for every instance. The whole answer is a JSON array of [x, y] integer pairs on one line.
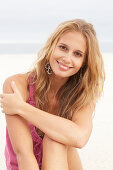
[[2, 111], [1, 105], [1, 95]]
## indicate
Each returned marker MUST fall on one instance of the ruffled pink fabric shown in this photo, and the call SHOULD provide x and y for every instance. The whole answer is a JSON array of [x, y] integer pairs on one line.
[[37, 145], [11, 159]]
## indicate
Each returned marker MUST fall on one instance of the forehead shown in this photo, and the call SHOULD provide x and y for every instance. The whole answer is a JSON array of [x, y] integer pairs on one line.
[[74, 39]]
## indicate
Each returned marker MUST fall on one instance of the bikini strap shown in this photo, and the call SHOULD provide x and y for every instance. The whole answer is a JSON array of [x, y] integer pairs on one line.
[[31, 89]]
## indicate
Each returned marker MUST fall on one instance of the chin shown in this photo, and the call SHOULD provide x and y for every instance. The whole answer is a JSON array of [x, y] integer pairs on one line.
[[61, 75]]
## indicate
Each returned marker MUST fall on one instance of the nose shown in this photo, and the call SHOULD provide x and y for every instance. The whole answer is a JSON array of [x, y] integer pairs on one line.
[[67, 57]]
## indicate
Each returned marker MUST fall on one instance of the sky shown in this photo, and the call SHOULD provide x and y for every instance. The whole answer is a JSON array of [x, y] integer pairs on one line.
[[32, 21]]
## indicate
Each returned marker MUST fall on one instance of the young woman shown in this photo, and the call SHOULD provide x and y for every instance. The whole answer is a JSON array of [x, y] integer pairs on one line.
[[49, 111]]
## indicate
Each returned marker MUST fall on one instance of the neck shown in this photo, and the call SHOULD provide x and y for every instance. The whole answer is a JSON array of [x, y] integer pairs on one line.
[[57, 83]]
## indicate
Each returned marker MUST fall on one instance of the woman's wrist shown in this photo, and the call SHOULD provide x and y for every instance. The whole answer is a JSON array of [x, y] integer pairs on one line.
[[21, 109], [24, 110]]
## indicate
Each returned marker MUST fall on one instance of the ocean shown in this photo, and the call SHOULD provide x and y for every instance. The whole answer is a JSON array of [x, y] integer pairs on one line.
[[32, 48]]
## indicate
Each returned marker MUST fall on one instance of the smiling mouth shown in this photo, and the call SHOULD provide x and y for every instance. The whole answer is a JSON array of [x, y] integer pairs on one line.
[[63, 67]]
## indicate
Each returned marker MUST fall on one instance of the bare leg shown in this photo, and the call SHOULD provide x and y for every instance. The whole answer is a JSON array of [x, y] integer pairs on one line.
[[54, 155], [74, 161]]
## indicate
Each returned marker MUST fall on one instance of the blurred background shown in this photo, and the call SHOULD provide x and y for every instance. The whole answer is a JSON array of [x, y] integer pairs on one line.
[[25, 25]]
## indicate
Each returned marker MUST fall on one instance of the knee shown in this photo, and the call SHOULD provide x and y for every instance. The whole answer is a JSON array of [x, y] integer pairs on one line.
[[54, 152]]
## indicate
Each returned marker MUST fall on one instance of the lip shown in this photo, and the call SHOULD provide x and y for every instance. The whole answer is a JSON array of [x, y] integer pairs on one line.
[[64, 64], [63, 67]]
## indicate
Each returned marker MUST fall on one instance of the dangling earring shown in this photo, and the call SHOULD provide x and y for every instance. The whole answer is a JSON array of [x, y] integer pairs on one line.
[[48, 68]]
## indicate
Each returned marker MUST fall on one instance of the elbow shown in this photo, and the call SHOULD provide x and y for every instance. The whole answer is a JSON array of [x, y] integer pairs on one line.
[[81, 141]]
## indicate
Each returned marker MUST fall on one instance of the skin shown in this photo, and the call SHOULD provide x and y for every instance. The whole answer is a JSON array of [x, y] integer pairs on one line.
[[70, 51], [59, 139]]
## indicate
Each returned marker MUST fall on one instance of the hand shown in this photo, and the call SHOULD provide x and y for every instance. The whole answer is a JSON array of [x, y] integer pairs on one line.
[[10, 103]]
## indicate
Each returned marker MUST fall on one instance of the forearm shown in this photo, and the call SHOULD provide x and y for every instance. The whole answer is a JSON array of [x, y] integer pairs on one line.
[[57, 128], [27, 162]]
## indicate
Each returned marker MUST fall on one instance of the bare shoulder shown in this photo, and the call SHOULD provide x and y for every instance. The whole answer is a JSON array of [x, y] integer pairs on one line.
[[21, 82]]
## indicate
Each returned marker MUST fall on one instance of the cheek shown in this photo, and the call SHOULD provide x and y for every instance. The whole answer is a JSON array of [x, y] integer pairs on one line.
[[52, 61], [57, 54], [53, 56], [77, 63]]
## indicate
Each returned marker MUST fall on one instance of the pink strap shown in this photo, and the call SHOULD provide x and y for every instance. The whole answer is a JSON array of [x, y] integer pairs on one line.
[[31, 89]]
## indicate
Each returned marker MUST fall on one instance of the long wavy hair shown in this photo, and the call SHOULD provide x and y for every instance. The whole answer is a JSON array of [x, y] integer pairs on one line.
[[83, 88]]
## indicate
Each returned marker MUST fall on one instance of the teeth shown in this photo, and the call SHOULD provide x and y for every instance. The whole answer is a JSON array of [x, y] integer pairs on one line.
[[65, 67]]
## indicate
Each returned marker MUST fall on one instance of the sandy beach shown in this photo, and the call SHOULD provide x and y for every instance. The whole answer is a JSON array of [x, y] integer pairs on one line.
[[98, 152]]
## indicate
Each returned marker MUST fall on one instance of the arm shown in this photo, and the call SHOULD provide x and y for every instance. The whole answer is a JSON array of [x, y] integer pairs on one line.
[[19, 133], [74, 133]]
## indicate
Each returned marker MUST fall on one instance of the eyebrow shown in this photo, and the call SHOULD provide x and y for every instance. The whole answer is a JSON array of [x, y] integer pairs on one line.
[[75, 50]]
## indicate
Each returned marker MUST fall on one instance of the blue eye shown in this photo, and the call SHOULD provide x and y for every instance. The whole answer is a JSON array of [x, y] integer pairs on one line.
[[63, 47]]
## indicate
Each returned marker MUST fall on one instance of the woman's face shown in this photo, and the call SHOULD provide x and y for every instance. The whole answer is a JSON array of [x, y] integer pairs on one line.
[[69, 54]]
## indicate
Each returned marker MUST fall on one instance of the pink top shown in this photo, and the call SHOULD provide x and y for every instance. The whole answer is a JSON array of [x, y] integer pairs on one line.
[[11, 160]]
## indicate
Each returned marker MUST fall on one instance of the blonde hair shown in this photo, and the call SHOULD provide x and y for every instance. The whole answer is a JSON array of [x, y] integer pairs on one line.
[[83, 88]]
